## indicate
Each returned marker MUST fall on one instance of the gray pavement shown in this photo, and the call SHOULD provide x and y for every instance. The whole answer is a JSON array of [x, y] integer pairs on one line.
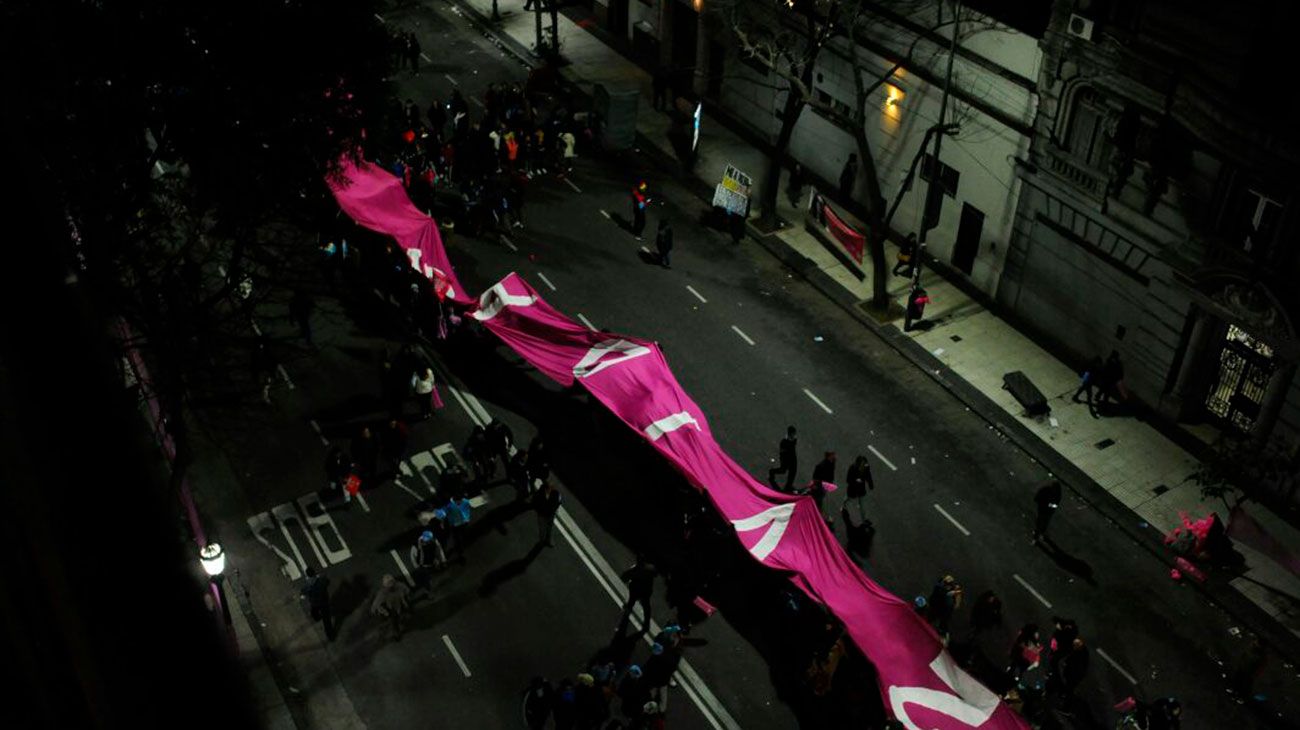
[[954, 496]]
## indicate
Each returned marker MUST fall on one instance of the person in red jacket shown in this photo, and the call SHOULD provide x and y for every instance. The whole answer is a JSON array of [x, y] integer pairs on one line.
[[640, 199]]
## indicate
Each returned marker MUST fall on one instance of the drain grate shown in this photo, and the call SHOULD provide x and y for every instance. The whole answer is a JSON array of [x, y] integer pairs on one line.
[[1160, 489], [1105, 443], [955, 338]]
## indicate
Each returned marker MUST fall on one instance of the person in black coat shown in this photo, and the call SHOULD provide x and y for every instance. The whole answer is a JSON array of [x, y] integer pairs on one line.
[[316, 593], [823, 476], [664, 242], [640, 580], [1046, 500], [787, 460], [858, 481]]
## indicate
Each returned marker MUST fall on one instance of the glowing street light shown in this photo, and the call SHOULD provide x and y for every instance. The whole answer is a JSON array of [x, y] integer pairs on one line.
[[213, 559]]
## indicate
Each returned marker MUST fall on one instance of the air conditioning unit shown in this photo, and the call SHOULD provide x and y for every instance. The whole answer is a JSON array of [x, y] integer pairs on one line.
[[1080, 27]]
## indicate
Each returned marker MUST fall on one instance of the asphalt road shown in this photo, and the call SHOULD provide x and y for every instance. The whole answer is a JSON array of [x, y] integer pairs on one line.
[[759, 350]]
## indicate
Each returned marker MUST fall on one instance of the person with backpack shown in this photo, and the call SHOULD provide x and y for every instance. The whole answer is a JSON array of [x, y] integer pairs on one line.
[[427, 556]]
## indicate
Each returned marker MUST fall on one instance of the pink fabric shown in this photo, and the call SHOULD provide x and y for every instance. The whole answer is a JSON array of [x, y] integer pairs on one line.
[[855, 243], [918, 680], [372, 197]]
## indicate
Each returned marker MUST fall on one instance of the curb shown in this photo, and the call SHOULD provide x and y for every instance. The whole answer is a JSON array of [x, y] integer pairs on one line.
[[1216, 589]]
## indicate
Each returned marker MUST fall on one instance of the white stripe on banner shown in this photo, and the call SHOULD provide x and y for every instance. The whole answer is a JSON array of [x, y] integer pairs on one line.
[[669, 424]]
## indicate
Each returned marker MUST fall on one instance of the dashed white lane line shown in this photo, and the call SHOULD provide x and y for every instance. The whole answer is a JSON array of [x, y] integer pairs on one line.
[[456, 655], [817, 400], [953, 520], [587, 322], [546, 281], [256, 330], [509, 244], [745, 337], [645, 250], [316, 427], [569, 182], [476, 100], [1030, 588], [361, 500], [698, 296], [454, 82], [604, 213], [1116, 665], [285, 375], [402, 567], [425, 56], [881, 456]]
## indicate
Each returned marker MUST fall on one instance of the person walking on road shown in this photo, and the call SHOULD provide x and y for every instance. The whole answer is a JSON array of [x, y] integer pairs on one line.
[[478, 453], [365, 454], [787, 460], [396, 438], [263, 366], [517, 474], [500, 441], [1064, 632], [944, 600], [424, 387], [858, 481], [1068, 674], [1025, 653], [413, 52], [538, 699], [391, 601], [986, 613], [1046, 500], [337, 469], [539, 461], [427, 556], [659, 670], [640, 199], [640, 580], [547, 502], [848, 176], [458, 512], [664, 242], [316, 592], [300, 309], [823, 480]]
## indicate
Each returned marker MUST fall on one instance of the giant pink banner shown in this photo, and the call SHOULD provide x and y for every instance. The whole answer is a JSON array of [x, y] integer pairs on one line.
[[372, 197], [920, 684]]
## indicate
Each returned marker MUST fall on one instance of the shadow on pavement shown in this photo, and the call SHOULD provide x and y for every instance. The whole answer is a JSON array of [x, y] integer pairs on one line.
[[513, 569], [1074, 565]]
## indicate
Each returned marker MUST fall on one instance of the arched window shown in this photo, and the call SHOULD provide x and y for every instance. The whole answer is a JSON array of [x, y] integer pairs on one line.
[[1088, 135]]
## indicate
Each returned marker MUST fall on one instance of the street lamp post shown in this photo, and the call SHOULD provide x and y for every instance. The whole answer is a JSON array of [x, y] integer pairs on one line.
[[213, 559]]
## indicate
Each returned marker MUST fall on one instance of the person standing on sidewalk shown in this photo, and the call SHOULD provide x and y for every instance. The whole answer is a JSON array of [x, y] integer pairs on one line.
[[794, 189], [1046, 500], [547, 502], [787, 460], [859, 481], [664, 242], [640, 199], [316, 592], [906, 252], [391, 602], [640, 580], [848, 176]]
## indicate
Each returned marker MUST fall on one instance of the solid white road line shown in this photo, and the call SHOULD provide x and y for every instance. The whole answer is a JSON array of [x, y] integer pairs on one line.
[[953, 520], [285, 374], [602, 212], [455, 655], [546, 281], [817, 400], [316, 427], [698, 296], [509, 244], [1115, 664], [688, 679], [745, 337], [881, 456], [454, 82], [569, 182], [402, 567], [1030, 588], [587, 322]]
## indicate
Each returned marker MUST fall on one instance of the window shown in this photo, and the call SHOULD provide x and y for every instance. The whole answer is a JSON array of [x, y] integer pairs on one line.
[[1087, 139], [1251, 219], [948, 176]]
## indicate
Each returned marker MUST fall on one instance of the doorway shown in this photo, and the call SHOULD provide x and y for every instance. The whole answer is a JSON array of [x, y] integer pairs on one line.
[[968, 238], [1245, 366]]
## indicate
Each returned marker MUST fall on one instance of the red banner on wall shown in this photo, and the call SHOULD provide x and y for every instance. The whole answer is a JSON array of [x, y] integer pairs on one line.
[[852, 241]]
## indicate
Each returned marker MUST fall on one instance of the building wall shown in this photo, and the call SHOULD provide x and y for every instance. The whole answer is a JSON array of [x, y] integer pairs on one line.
[[983, 153]]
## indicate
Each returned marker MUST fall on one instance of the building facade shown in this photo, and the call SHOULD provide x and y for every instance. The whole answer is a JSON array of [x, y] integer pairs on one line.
[[1157, 212]]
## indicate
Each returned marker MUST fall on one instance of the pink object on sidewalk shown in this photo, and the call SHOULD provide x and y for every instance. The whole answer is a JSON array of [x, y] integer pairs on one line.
[[1190, 570], [708, 608]]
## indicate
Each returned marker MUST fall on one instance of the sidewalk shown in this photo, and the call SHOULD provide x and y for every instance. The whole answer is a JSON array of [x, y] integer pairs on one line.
[[1123, 466]]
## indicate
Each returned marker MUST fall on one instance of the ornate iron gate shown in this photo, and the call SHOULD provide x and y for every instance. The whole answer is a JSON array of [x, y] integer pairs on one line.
[[1245, 366]]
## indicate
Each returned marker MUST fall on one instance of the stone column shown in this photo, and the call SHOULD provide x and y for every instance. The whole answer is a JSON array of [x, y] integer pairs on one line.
[[1274, 396], [1190, 371], [701, 77]]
